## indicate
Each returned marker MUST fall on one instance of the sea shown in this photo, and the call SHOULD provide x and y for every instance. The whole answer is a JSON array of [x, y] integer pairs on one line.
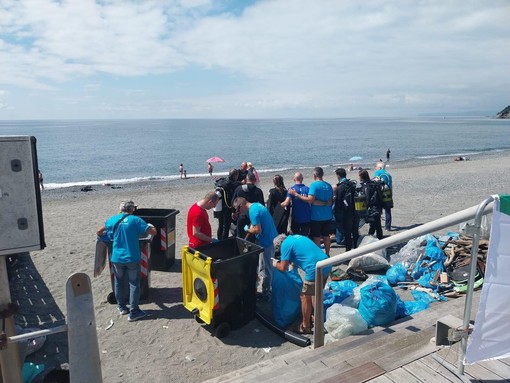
[[115, 152]]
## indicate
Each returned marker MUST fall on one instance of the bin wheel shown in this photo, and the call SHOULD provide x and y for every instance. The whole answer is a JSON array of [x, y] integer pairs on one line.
[[111, 299], [197, 318], [222, 330]]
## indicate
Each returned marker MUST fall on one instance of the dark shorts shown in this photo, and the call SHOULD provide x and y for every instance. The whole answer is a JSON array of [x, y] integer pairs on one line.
[[300, 228], [320, 228]]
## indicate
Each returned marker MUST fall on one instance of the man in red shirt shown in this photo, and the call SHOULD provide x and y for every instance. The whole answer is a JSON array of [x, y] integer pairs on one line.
[[199, 228]]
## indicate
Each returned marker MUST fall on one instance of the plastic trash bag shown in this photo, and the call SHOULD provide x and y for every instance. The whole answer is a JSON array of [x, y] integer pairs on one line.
[[368, 239], [378, 304], [353, 300], [337, 291], [432, 261], [369, 262], [406, 308], [286, 302], [409, 253], [397, 273], [344, 321]]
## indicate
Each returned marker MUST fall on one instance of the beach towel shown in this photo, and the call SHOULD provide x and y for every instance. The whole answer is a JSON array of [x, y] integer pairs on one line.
[[490, 338]]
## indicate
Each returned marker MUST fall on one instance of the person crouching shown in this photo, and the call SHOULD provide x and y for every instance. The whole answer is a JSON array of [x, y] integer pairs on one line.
[[304, 254]]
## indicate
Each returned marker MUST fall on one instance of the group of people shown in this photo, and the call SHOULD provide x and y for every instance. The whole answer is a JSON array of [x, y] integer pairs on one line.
[[310, 209]]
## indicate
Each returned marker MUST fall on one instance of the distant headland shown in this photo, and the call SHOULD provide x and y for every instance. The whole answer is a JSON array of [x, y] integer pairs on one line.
[[505, 113]]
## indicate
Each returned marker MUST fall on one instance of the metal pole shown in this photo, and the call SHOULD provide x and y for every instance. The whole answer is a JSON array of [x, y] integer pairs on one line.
[[471, 281], [319, 306], [438, 224], [35, 334], [9, 357]]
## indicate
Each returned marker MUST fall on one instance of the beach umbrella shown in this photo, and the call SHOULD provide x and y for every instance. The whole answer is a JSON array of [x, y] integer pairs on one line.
[[215, 159], [355, 158]]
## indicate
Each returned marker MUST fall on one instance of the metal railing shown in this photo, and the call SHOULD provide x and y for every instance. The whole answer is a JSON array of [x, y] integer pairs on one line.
[[441, 223]]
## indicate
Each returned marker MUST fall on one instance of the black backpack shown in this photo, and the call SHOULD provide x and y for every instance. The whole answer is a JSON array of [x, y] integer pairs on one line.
[[222, 185], [373, 193], [345, 194]]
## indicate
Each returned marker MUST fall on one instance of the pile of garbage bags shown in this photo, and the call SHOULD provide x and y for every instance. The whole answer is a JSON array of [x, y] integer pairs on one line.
[[351, 309]]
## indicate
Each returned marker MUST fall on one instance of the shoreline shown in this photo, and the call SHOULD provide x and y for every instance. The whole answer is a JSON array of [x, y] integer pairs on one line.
[[162, 184]]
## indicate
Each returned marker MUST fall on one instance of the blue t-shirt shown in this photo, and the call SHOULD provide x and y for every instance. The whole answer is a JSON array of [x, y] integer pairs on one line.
[[260, 215], [126, 247], [304, 253], [301, 211], [385, 176], [322, 192]]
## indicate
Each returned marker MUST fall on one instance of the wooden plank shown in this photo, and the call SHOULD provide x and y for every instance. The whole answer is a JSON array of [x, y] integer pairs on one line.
[[415, 348], [274, 370], [359, 374], [314, 376], [385, 350], [402, 376], [305, 373], [232, 376], [497, 367], [434, 365], [380, 379], [475, 370], [426, 374]]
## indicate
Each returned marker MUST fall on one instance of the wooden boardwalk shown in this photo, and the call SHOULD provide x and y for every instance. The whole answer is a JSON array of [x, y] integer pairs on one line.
[[402, 352]]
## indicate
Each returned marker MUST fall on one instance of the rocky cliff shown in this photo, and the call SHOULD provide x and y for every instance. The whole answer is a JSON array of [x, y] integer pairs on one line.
[[505, 113]]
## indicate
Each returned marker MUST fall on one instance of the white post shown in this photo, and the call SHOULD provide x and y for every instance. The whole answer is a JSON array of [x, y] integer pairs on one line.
[[10, 363], [84, 361]]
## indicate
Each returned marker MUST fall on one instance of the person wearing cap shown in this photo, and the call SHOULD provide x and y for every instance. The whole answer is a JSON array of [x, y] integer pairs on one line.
[[303, 253], [262, 226], [125, 229], [198, 226]]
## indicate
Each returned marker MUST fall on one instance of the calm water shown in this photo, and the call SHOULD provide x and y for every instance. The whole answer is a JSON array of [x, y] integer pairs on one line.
[[119, 151]]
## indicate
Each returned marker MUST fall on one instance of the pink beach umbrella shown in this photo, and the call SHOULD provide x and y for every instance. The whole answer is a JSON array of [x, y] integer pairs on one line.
[[215, 159]]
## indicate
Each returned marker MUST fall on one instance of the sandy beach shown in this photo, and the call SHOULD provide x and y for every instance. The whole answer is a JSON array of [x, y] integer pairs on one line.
[[169, 345]]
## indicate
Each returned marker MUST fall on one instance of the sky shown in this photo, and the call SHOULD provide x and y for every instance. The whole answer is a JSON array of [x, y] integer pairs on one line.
[[102, 59]]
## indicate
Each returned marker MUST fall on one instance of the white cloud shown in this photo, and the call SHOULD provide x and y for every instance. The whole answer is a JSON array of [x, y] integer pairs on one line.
[[283, 54]]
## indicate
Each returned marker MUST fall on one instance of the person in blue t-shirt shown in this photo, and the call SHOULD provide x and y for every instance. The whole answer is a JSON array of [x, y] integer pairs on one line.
[[262, 226], [304, 254], [300, 210], [125, 229], [320, 196]]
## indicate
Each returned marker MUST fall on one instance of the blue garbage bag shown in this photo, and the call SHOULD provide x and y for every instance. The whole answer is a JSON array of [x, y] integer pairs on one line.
[[286, 302], [378, 304], [433, 259], [396, 273], [406, 308], [337, 291]]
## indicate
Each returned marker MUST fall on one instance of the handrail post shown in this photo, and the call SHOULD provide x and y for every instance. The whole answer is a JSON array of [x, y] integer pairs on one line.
[[318, 323], [471, 281]]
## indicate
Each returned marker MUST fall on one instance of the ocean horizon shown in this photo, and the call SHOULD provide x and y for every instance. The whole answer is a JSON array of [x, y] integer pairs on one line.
[[95, 152]]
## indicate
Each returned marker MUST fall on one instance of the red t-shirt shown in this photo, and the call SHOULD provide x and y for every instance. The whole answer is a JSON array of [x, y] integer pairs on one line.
[[198, 217]]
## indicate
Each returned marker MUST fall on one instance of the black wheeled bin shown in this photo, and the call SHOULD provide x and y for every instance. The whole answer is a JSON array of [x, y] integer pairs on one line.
[[219, 283], [163, 244]]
